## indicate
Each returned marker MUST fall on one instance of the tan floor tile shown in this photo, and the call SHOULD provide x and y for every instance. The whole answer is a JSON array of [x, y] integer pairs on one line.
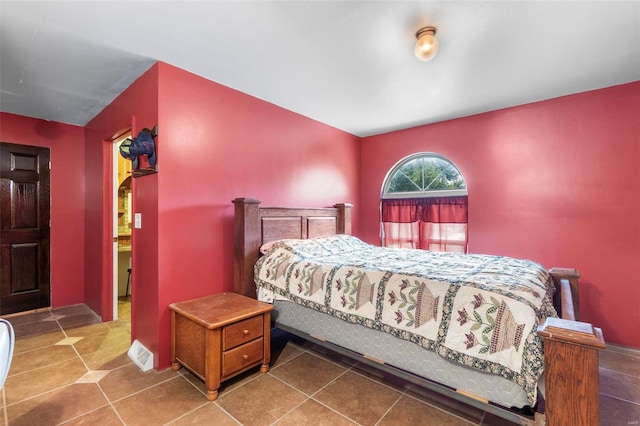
[[87, 330], [45, 379], [313, 413], [35, 328], [55, 407], [53, 318], [69, 341], [409, 411], [208, 414], [620, 385], [226, 386], [627, 362], [283, 354], [195, 381], [93, 376], [38, 358], [453, 406], [105, 351], [70, 322], [91, 343], [308, 373], [160, 404], [120, 323], [362, 400], [19, 319], [30, 343], [78, 309], [106, 359], [239, 380], [614, 412], [127, 380], [261, 401], [105, 416], [492, 420]]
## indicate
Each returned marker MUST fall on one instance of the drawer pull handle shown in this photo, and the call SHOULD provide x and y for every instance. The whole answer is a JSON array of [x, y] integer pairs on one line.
[[246, 332], [245, 356]]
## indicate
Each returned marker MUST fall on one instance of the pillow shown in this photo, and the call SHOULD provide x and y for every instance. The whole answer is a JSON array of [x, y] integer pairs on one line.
[[332, 242], [268, 246]]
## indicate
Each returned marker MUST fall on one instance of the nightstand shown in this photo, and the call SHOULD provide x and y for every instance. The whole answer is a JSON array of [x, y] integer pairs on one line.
[[220, 336]]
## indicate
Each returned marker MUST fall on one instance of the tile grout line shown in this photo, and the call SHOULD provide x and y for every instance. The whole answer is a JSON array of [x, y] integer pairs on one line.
[[184, 414], [451, 413], [312, 396], [403, 393], [632, 376], [110, 404], [620, 399], [85, 413], [227, 413]]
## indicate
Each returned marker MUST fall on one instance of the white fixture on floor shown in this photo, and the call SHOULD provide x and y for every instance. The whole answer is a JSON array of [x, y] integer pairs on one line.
[[141, 356]]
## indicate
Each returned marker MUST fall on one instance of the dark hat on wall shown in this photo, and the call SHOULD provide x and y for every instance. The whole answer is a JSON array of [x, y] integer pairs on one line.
[[125, 151], [143, 144]]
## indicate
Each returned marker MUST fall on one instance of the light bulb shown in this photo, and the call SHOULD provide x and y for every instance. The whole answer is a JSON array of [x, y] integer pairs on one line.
[[427, 44]]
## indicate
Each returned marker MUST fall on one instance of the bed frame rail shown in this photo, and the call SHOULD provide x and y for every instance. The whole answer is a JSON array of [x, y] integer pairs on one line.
[[566, 299]]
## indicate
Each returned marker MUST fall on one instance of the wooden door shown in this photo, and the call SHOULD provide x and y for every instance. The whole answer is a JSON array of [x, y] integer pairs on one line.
[[24, 228]]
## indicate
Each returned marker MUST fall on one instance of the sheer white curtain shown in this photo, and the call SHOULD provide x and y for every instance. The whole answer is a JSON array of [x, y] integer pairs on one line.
[[438, 224]]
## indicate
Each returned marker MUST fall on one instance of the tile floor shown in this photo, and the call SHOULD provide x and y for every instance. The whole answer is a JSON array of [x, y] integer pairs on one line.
[[71, 369]]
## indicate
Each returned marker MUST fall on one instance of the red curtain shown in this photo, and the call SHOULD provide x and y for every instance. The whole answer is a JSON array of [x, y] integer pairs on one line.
[[438, 224]]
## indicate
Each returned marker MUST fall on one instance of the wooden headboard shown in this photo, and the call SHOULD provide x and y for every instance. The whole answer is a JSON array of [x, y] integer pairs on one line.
[[255, 225]]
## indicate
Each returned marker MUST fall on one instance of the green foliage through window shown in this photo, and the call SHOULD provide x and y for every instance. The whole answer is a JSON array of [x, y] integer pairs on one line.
[[423, 173]]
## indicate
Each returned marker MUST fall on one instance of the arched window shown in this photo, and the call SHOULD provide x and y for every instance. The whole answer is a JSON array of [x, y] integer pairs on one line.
[[424, 205]]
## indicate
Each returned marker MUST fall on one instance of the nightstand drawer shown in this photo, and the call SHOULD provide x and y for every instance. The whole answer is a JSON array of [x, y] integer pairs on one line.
[[241, 332], [243, 356]]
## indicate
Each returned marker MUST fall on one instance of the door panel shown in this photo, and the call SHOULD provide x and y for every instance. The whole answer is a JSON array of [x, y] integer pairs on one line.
[[24, 228]]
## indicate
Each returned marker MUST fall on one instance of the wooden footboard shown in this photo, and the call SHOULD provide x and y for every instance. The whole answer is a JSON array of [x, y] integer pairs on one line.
[[571, 358], [571, 347]]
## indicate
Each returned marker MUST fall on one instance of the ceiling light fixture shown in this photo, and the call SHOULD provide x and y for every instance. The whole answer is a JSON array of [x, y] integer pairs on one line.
[[427, 44]]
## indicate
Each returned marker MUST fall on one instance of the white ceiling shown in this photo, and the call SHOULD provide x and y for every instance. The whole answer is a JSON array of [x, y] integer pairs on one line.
[[348, 64]]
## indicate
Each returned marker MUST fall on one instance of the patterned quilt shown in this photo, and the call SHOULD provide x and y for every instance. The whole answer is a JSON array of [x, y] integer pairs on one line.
[[478, 310]]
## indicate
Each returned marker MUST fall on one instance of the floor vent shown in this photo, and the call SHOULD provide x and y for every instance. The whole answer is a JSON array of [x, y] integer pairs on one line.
[[141, 356]]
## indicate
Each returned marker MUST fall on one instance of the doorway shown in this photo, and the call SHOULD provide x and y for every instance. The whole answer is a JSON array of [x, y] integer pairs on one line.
[[25, 282], [122, 202]]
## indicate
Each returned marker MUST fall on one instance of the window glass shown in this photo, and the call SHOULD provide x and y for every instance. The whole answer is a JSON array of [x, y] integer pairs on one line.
[[424, 175]]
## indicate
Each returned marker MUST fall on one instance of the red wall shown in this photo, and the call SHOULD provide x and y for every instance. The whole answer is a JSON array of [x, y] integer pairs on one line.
[[554, 181], [135, 108], [67, 199], [214, 144], [217, 144]]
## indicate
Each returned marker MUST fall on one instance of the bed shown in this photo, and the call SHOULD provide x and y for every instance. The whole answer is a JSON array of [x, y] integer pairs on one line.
[[444, 336]]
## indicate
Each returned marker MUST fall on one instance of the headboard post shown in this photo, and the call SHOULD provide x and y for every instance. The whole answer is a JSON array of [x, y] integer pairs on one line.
[[344, 218], [247, 244]]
